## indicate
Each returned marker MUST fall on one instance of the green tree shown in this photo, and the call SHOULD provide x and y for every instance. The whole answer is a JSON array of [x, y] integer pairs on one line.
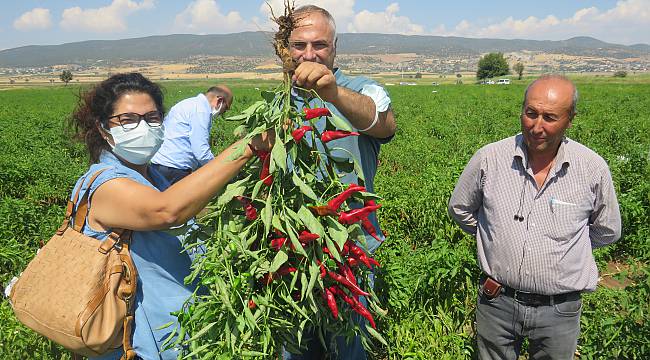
[[66, 76], [492, 65], [519, 69]]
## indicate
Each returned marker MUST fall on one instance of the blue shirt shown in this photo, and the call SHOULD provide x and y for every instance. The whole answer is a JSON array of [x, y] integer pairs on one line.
[[187, 135], [159, 260], [364, 148]]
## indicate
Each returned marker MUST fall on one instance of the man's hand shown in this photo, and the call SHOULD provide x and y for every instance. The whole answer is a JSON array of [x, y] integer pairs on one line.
[[315, 76]]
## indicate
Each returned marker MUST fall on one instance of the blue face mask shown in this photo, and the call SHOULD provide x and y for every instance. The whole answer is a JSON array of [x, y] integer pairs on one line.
[[139, 145]]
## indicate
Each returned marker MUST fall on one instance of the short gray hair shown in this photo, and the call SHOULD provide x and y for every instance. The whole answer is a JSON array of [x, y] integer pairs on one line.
[[574, 100], [306, 9]]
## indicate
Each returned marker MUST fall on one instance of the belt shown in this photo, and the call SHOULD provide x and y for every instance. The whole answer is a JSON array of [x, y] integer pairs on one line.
[[532, 299]]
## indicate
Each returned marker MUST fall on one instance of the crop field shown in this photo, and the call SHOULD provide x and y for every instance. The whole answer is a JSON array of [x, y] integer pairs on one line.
[[428, 280]]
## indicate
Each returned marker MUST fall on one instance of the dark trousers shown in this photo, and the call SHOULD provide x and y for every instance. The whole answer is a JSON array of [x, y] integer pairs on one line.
[[172, 175], [502, 323]]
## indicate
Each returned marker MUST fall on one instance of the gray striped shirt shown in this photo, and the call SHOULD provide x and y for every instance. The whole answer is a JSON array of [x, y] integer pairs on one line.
[[550, 251]]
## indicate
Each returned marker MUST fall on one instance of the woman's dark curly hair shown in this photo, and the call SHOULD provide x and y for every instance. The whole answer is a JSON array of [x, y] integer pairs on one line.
[[97, 104]]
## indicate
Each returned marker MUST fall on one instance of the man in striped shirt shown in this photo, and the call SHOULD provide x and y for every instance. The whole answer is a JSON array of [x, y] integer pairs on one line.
[[538, 203]]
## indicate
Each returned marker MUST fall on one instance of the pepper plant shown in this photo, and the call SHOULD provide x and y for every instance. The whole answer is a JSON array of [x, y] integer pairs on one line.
[[283, 257]]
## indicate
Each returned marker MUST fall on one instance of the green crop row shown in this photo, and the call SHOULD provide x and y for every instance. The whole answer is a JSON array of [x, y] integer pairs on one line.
[[428, 281]]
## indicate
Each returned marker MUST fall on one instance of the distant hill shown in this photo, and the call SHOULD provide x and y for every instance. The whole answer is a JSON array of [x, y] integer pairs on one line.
[[180, 47]]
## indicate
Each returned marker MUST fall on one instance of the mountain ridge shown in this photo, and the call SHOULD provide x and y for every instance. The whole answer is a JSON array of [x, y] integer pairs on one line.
[[178, 47]]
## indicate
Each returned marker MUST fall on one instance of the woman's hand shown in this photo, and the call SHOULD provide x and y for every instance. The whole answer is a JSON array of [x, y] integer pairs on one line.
[[262, 142]]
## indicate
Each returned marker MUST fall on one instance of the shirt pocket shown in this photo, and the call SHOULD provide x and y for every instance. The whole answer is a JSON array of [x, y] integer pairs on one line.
[[565, 219]]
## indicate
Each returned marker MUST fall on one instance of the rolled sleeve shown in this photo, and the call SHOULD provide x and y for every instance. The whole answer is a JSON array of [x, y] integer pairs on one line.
[[378, 95], [605, 221], [467, 197], [200, 138]]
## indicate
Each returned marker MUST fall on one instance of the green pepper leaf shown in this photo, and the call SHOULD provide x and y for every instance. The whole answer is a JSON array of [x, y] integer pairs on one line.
[[267, 214], [280, 258], [235, 189], [310, 221], [337, 231], [279, 155], [304, 188]]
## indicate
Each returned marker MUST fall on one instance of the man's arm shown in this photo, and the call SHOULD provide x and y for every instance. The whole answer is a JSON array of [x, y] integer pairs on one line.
[[605, 220], [467, 197], [200, 137], [358, 108]]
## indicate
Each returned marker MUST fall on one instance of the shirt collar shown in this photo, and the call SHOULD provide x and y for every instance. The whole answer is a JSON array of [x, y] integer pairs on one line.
[[562, 157], [205, 102]]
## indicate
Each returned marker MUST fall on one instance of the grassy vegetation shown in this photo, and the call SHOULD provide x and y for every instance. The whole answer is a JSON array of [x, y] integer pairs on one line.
[[428, 280]]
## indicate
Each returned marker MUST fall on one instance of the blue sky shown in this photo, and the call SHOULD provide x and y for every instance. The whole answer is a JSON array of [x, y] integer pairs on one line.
[[31, 22]]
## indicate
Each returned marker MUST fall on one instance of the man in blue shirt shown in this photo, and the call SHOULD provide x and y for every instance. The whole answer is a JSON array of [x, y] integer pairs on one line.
[[363, 103], [187, 133]]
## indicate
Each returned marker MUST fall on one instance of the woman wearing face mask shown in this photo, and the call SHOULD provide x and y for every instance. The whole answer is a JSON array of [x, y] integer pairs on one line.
[[121, 122]]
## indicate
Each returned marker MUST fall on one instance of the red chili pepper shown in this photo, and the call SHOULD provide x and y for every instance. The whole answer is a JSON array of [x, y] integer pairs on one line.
[[356, 215], [354, 288], [373, 261], [276, 244], [251, 304], [361, 310], [323, 271], [316, 112], [337, 201], [265, 175], [347, 272], [306, 237], [265, 158], [352, 261], [330, 135], [360, 255], [249, 209], [299, 133], [251, 212], [327, 251], [346, 248], [286, 270], [331, 302], [355, 305], [370, 228]]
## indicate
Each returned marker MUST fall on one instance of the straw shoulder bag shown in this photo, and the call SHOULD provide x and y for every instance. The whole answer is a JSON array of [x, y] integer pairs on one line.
[[79, 291]]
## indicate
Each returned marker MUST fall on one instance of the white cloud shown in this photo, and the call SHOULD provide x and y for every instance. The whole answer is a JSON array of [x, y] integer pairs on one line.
[[205, 16], [342, 11], [35, 19], [107, 19], [387, 21], [627, 22]]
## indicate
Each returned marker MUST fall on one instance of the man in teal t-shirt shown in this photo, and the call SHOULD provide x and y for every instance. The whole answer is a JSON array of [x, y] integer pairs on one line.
[[363, 103]]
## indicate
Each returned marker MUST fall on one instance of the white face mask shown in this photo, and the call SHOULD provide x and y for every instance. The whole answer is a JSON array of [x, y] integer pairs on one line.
[[139, 145], [217, 111]]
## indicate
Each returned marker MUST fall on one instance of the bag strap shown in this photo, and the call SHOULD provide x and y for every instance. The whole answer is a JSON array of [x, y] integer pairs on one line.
[[128, 294], [82, 209], [71, 205]]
